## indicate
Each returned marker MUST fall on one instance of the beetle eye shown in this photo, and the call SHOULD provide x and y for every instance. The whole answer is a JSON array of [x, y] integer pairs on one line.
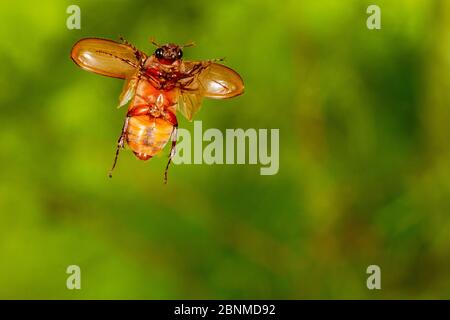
[[159, 53], [179, 54]]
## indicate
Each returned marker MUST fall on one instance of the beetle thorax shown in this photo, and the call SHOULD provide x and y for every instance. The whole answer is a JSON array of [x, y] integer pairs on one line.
[[164, 75]]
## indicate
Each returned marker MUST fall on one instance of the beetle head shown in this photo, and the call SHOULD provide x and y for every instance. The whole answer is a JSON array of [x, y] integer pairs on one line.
[[168, 53]]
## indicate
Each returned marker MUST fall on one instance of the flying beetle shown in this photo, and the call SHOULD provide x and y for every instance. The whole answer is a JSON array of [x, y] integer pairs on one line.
[[156, 88]]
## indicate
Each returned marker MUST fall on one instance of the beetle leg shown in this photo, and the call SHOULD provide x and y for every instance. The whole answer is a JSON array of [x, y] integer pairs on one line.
[[192, 74], [120, 145], [216, 60], [127, 43], [137, 52], [151, 79], [189, 82], [196, 69], [188, 89], [185, 85], [121, 59], [173, 138], [201, 66]]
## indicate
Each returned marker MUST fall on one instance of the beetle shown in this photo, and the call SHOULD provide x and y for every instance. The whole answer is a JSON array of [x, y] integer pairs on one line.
[[157, 86]]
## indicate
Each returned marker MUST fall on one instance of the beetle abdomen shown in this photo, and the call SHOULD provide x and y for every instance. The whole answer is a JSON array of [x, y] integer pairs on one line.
[[147, 135]]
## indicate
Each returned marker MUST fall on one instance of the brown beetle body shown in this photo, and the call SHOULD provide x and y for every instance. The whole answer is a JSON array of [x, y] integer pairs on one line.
[[151, 120]]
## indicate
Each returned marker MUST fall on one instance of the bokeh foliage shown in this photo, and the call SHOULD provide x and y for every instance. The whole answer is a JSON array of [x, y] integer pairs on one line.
[[364, 155]]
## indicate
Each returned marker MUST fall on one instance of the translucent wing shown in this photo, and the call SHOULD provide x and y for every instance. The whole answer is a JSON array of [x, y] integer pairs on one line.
[[128, 91], [220, 82], [211, 80], [106, 57], [189, 104]]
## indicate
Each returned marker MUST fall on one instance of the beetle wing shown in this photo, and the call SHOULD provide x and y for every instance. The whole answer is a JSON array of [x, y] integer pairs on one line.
[[220, 82], [106, 57], [211, 80], [128, 91], [189, 103]]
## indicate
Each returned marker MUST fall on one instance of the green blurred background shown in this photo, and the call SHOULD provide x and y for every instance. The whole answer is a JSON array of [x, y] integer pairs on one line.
[[364, 155]]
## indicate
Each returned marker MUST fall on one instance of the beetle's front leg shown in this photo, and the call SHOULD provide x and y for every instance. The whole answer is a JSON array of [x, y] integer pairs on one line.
[[137, 52], [127, 43], [117, 57]]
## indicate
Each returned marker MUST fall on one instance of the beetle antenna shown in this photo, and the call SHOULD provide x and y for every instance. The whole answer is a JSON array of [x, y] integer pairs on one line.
[[152, 41], [189, 44]]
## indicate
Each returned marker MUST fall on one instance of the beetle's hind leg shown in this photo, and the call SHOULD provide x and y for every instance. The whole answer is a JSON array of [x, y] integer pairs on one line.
[[173, 138], [120, 145]]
